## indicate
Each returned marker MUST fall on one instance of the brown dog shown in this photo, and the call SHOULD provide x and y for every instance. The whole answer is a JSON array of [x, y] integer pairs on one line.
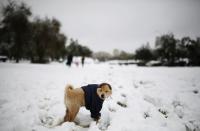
[[90, 96]]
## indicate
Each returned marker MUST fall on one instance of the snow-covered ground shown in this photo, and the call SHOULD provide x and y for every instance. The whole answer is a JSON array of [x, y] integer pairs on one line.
[[144, 99]]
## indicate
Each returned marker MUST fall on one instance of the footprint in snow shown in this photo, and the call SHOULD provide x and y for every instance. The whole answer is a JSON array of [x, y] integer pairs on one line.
[[146, 115], [123, 95], [50, 121], [195, 91], [122, 104], [123, 101], [192, 126], [47, 121], [178, 108], [163, 112]]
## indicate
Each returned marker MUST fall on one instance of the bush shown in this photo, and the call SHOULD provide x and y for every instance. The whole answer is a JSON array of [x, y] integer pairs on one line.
[[144, 54]]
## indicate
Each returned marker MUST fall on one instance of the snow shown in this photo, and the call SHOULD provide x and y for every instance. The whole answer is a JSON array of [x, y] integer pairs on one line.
[[144, 98]]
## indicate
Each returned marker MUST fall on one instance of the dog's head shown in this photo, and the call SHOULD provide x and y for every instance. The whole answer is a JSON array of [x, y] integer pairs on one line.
[[104, 90]]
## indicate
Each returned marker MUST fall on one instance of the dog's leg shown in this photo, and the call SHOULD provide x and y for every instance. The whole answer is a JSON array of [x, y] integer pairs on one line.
[[66, 115], [74, 113], [69, 116]]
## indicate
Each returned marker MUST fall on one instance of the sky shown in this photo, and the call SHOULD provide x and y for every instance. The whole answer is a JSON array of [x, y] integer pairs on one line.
[[104, 25]]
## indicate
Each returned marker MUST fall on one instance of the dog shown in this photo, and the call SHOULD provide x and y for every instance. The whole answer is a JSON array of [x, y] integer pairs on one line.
[[91, 96]]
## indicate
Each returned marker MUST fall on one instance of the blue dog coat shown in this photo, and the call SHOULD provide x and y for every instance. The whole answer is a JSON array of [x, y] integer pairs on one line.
[[92, 100]]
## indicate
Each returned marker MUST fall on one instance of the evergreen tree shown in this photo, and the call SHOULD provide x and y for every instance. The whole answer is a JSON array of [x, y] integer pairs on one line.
[[166, 48], [15, 29], [144, 53]]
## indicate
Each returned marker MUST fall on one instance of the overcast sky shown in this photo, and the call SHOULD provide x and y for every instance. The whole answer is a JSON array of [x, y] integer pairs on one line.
[[123, 24]]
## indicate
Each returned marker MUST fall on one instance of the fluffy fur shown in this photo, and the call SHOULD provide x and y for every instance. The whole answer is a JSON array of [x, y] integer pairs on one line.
[[74, 98]]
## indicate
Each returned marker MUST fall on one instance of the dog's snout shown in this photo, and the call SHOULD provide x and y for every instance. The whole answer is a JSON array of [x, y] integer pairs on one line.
[[102, 96]]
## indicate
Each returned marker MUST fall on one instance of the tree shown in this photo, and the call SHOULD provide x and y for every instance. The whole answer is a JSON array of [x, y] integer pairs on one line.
[[16, 28], [166, 48], [182, 51], [48, 42], [194, 52], [85, 51], [189, 49], [56, 48], [144, 53], [76, 49]]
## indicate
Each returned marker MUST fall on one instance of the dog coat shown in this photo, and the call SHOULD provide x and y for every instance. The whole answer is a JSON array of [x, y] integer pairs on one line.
[[92, 100]]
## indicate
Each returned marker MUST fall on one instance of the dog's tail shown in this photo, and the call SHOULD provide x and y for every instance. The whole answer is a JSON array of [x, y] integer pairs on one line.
[[68, 88]]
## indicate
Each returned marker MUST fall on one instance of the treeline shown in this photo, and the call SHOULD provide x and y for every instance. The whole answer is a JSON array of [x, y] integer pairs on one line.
[[170, 51], [167, 51], [38, 40], [116, 55]]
